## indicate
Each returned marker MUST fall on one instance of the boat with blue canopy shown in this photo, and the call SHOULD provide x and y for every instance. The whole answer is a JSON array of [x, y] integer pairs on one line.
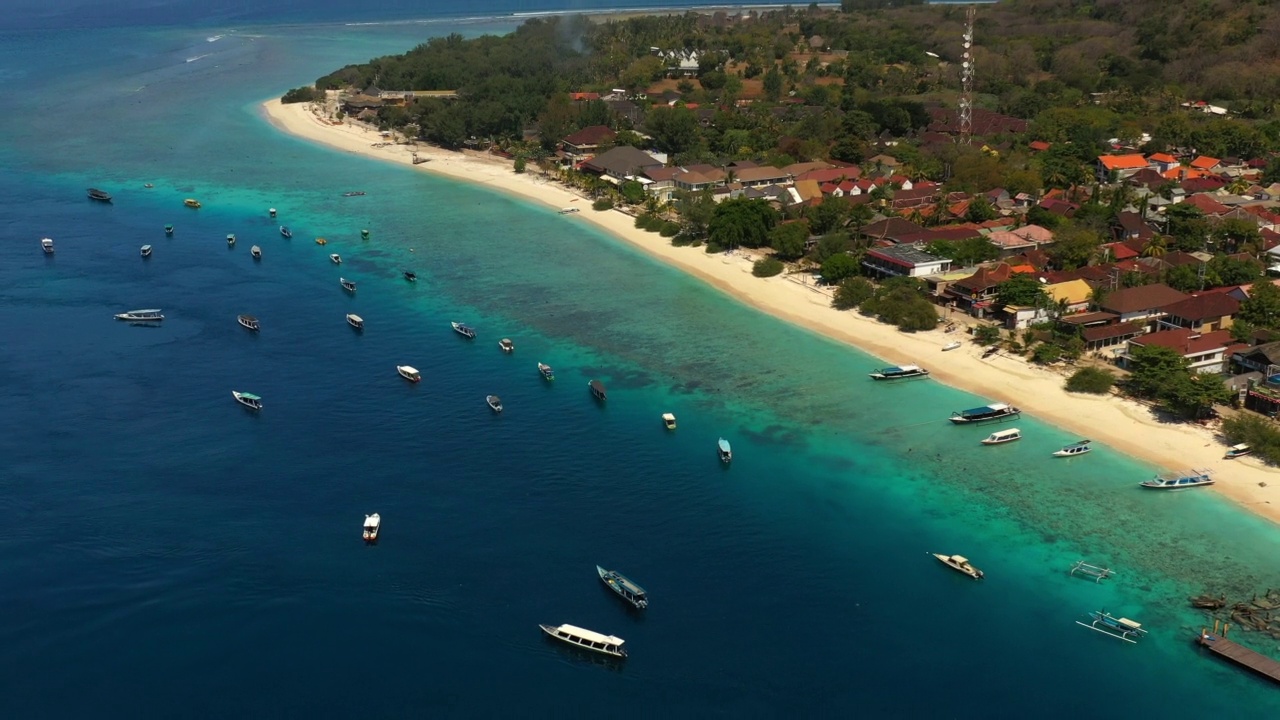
[[1179, 480], [899, 372], [986, 413]]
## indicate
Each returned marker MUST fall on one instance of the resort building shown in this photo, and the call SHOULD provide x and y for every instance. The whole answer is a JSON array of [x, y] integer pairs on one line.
[[1202, 313], [621, 163], [587, 140], [903, 260], [1143, 305], [1206, 353]]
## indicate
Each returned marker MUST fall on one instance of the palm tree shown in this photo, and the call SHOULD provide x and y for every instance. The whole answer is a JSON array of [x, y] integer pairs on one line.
[[1155, 247], [1238, 186]]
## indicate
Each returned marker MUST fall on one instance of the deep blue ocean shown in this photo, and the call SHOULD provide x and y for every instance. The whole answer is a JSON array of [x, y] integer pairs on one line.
[[168, 554]]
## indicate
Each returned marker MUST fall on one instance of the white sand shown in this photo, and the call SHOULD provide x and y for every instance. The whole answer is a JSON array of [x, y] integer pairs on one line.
[[1124, 425]]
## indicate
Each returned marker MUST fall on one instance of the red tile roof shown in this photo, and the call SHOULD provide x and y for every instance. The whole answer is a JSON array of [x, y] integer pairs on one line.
[[591, 135], [1186, 341], [1120, 251], [1162, 158], [1204, 162], [1207, 205], [1122, 162], [1039, 145]]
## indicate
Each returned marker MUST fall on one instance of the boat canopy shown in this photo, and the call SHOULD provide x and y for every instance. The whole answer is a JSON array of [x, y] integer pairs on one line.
[[1000, 434], [409, 369], [1241, 446], [249, 396], [1129, 623], [631, 587], [724, 445], [998, 406], [590, 635], [354, 318], [959, 560], [668, 416]]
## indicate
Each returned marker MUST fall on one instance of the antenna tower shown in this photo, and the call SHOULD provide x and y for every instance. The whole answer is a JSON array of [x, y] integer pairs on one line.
[[966, 79]]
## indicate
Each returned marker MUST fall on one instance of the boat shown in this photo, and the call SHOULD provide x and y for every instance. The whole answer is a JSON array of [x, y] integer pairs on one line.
[[271, 212], [1233, 452], [669, 419], [1122, 628], [321, 241], [990, 351], [347, 284], [46, 244], [364, 234], [1179, 480], [353, 193], [463, 330], [336, 258], [597, 390], [626, 589], [168, 230], [285, 232], [986, 413], [248, 322], [256, 252], [587, 639], [141, 316], [249, 400], [959, 564], [355, 321], [1003, 436], [495, 402], [725, 452], [899, 372], [145, 251], [372, 524], [547, 372], [409, 373], [192, 203], [568, 210], [410, 276], [99, 195], [1075, 448], [231, 240], [148, 185], [951, 345], [506, 345]]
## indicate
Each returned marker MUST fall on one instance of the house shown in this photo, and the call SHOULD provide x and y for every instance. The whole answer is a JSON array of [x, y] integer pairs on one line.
[[661, 182], [911, 199], [762, 176], [1010, 243], [587, 140], [702, 178], [976, 292], [1130, 226], [583, 96], [887, 162], [904, 260], [1264, 358], [892, 229], [1067, 298], [1122, 165], [1059, 207], [1143, 305], [1203, 313], [1162, 162], [1207, 205], [1206, 163], [354, 104], [621, 163], [1206, 353]]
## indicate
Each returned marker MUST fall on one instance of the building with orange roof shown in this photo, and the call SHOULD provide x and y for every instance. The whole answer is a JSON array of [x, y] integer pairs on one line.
[[1204, 162], [1162, 162], [1122, 165]]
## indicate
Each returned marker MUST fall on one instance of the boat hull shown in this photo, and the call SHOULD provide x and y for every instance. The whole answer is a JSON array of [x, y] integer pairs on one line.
[[616, 581]]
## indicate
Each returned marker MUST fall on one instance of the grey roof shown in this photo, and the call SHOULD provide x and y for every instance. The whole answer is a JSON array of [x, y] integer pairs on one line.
[[906, 254], [621, 161]]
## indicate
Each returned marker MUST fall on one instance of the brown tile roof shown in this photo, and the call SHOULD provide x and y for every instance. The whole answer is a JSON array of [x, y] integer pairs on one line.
[[987, 277], [1207, 205], [591, 135], [1145, 297], [1089, 318], [1107, 332], [1186, 341], [1204, 307]]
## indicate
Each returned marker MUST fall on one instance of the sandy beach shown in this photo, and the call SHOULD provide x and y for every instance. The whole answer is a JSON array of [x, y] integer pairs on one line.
[[1127, 426]]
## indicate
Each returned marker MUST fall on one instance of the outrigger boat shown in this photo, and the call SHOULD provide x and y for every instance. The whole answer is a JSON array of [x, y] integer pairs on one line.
[[192, 203], [249, 400], [321, 241], [597, 390], [986, 413], [494, 402], [353, 193], [724, 451], [1000, 437], [1097, 573], [626, 589], [506, 345], [951, 345], [410, 373], [1076, 448], [960, 564], [1179, 480], [587, 639], [547, 372], [248, 322], [1236, 451], [669, 420], [899, 372], [1122, 628], [568, 210], [355, 321], [372, 525], [141, 316], [463, 330], [347, 284], [145, 251], [285, 232]]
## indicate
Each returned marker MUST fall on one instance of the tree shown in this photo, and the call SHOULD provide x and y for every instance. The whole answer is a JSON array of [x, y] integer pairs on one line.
[[696, 210], [519, 164], [900, 301], [1183, 278], [1151, 368], [1271, 173], [788, 240], [306, 93], [987, 335], [969, 251], [632, 192], [828, 245], [1074, 248], [980, 210], [1021, 290], [1187, 226], [1091, 380], [741, 222], [773, 84], [1192, 394], [1060, 167], [828, 215], [838, 267], [853, 291], [674, 130], [767, 267], [1262, 308]]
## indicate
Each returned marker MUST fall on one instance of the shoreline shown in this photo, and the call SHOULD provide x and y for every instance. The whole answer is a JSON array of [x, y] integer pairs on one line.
[[1125, 425]]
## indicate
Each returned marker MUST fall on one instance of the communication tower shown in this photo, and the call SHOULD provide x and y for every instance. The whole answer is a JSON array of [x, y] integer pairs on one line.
[[966, 79]]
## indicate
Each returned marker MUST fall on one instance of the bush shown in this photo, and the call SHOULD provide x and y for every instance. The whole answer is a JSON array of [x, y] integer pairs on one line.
[[1260, 433], [713, 247], [767, 267], [669, 229], [852, 292], [1091, 380], [648, 222], [987, 334], [520, 165], [683, 240], [306, 93], [837, 268], [602, 204], [1046, 353]]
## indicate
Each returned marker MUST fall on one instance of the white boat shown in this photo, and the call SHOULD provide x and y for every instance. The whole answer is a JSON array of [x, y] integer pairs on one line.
[[1074, 449], [1179, 480], [587, 639], [145, 251], [669, 419], [506, 345], [231, 240], [347, 284], [951, 345], [725, 452], [141, 316], [1236, 451], [355, 321], [409, 373], [959, 564], [899, 372], [547, 372], [1122, 628], [372, 525], [336, 258], [1003, 436], [568, 210], [248, 322], [986, 413], [463, 330], [256, 252], [47, 245], [249, 400], [494, 402]]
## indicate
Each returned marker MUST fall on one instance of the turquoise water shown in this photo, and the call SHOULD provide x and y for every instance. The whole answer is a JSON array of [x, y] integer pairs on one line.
[[164, 544]]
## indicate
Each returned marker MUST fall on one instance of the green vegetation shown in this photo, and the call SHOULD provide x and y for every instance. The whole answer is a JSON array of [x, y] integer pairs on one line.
[[767, 267], [603, 203], [1091, 380], [741, 223], [306, 93], [901, 301], [987, 335], [852, 292], [1261, 434], [1262, 309], [1162, 374]]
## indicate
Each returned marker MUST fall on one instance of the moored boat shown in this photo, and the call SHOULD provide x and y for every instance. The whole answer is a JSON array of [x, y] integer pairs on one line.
[[1179, 480], [99, 195], [336, 258], [1122, 628], [249, 400], [355, 321], [168, 229], [1236, 451], [145, 251], [1003, 436], [463, 330], [410, 373], [494, 402], [192, 203], [347, 284], [597, 390], [724, 451], [547, 372], [372, 526], [141, 316], [410, 276], [986, 413], [669, 420], [568, 210], [285, 232], [625, 589], [256, 252], [506, 345], [248, 322], [46, 244], [271, 212], [353, 193], [231, 239], [1076, 448], [587, 639], [899, 372], [321, 241], [364, 234], [959, 564], [951, 345]]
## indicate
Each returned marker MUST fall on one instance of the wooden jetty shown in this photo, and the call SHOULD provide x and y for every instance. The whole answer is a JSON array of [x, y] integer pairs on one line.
[[1238, 654], [1093, 571]]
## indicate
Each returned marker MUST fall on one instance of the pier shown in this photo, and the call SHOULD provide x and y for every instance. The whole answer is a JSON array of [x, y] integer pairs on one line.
[[1238, 654]]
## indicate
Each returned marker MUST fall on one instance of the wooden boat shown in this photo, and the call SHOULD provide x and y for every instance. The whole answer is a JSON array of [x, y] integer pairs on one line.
[[1233, 452], [231, 239], [256, 252], [951, 345], [248, 322], [494, 402], [372, 526], [986, 413], [463, 330], [597, 390], [1074, 449], [141, 316], [285, 232], [336, 258], [409, 373], [1179, 480], [99, 195], [46, 244], [321, 241], [1122, 628], [669, 420], [1003, 436], [899, 372], [506, 345], [725, 452], [625, 589], [353, 193], [145, 251], [364, 234], [960, 564], [168, 230], [410, 276], [192, 203], [249, 400], [587, 639], [347, 284], [568, 210], [1097, 573], [355, 321], [547, 372]]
